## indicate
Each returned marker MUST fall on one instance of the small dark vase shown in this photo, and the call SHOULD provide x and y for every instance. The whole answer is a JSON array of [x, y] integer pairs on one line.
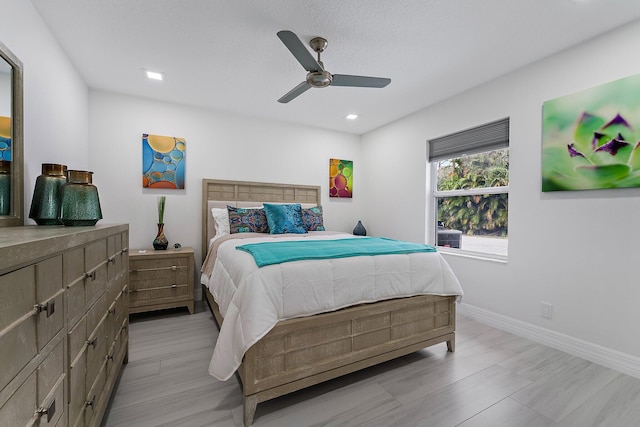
[[359, 230], [160, 243]]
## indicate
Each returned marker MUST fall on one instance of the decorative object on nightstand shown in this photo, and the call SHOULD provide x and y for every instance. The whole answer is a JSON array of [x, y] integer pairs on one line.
[[80, 202], [47, 195], [161, 279], [160, 243], [359, 230]]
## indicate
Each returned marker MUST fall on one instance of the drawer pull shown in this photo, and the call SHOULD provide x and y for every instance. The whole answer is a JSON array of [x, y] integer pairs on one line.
[[174, 286], [50, 411], [92, 342], [91, 402], [91, 275], [124, 328], [111, 260], [49, 307], [174, 268], [125, 250], [112, 310], [110, 357]]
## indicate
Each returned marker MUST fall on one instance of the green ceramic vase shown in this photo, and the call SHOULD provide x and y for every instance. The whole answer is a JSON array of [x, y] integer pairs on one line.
[[80, 202], [47, 195]]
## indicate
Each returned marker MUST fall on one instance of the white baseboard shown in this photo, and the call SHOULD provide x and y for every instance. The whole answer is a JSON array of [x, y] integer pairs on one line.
[[604, 356]]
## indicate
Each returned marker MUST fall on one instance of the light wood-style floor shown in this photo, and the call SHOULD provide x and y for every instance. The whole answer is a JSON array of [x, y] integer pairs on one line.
[[493, 379]]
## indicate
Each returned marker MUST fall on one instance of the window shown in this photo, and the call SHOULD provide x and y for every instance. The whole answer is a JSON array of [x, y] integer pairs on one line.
[[470, 182]]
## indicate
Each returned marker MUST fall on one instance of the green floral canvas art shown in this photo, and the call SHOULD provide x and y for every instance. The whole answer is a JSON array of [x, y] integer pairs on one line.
[[591, 139]]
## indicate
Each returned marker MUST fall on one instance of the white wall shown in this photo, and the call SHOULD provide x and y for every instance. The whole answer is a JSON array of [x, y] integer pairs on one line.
[[219, 145], [575, 250], [55, 97]]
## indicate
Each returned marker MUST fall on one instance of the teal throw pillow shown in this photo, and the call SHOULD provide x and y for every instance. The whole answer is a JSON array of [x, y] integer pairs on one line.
[[284, 218]]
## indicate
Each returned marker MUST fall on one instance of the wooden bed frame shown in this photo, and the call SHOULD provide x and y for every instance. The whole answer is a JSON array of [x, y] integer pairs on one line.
[[301, 352]]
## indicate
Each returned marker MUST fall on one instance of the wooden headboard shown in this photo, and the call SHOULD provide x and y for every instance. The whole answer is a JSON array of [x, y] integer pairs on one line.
[[256, 192]]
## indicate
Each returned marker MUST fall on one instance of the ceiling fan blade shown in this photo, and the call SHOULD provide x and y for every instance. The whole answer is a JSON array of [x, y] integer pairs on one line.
[[302, 54], [359, 81], [293, 93]]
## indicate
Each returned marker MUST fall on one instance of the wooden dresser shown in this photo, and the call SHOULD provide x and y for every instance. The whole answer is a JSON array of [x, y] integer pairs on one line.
[[160, 279], [63, 322]]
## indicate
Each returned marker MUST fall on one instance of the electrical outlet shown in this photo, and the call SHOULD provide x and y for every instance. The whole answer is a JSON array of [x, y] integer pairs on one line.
[[546, 310]]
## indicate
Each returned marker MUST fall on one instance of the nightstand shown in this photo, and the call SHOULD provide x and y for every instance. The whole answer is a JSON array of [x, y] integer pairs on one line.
[[160, 279]]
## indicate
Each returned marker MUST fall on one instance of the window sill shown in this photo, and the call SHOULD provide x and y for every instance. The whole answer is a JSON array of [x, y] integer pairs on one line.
[[501, 259]]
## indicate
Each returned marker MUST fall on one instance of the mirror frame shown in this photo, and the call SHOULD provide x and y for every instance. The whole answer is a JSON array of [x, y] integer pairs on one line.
[[16, 217]]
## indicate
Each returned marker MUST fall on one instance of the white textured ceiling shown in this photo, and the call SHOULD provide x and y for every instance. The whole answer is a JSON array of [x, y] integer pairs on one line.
[[225, 55]]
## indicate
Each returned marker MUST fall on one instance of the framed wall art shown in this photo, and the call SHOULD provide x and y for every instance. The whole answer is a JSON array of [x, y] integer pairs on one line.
[[163, 161], [340, 178], [590, 139]]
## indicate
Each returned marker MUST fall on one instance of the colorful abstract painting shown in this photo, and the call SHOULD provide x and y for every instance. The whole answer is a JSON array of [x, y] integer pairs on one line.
[[340, 178], [163, 161], [591, 139], [5, 138]]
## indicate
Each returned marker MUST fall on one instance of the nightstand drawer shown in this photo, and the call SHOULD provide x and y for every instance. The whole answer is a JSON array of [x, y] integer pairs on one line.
[[158, 293], [158, 277]]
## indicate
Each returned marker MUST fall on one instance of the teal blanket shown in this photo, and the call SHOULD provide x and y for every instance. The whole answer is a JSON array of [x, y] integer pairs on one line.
[[268, 253]]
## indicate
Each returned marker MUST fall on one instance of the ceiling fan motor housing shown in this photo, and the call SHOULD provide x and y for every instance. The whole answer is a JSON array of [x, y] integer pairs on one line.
[[319, 79]]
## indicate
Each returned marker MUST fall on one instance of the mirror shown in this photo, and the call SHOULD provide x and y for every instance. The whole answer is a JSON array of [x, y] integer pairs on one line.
[[11, 180]]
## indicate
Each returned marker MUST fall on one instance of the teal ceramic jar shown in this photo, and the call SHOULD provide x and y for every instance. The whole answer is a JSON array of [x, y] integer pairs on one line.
[[80, 201], [5, 187], [47, 195]]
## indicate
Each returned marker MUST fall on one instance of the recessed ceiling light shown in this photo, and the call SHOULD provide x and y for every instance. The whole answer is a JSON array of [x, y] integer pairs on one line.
[[154, 75], [351, 116]]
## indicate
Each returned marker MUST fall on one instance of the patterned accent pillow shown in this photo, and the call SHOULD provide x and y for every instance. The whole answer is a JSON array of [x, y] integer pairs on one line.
[[247, 220], [312, 219], [285, 218]]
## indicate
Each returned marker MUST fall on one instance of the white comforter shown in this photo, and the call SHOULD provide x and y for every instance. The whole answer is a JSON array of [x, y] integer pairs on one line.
[[252, 300]]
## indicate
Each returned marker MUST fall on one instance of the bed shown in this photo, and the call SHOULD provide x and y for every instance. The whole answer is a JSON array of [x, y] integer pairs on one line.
[[298, 352]]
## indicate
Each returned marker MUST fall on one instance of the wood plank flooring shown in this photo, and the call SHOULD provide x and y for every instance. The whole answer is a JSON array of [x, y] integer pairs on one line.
[[493, 379]]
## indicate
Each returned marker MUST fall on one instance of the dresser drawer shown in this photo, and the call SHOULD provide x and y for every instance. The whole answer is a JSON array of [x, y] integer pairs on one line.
[[19, 410], [97, 350], [115, 314], [51, 376], [17, 322], [94, 397], [50, 299], [77, 390], [74, 277], [85, 273]]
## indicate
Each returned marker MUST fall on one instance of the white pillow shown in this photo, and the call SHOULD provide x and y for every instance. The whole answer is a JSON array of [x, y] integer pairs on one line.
[[221, 218]]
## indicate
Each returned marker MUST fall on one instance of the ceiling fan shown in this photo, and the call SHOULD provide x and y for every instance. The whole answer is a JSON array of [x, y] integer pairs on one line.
[[317, 76]]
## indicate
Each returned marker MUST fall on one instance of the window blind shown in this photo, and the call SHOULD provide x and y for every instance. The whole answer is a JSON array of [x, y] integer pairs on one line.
[[487, 137]]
